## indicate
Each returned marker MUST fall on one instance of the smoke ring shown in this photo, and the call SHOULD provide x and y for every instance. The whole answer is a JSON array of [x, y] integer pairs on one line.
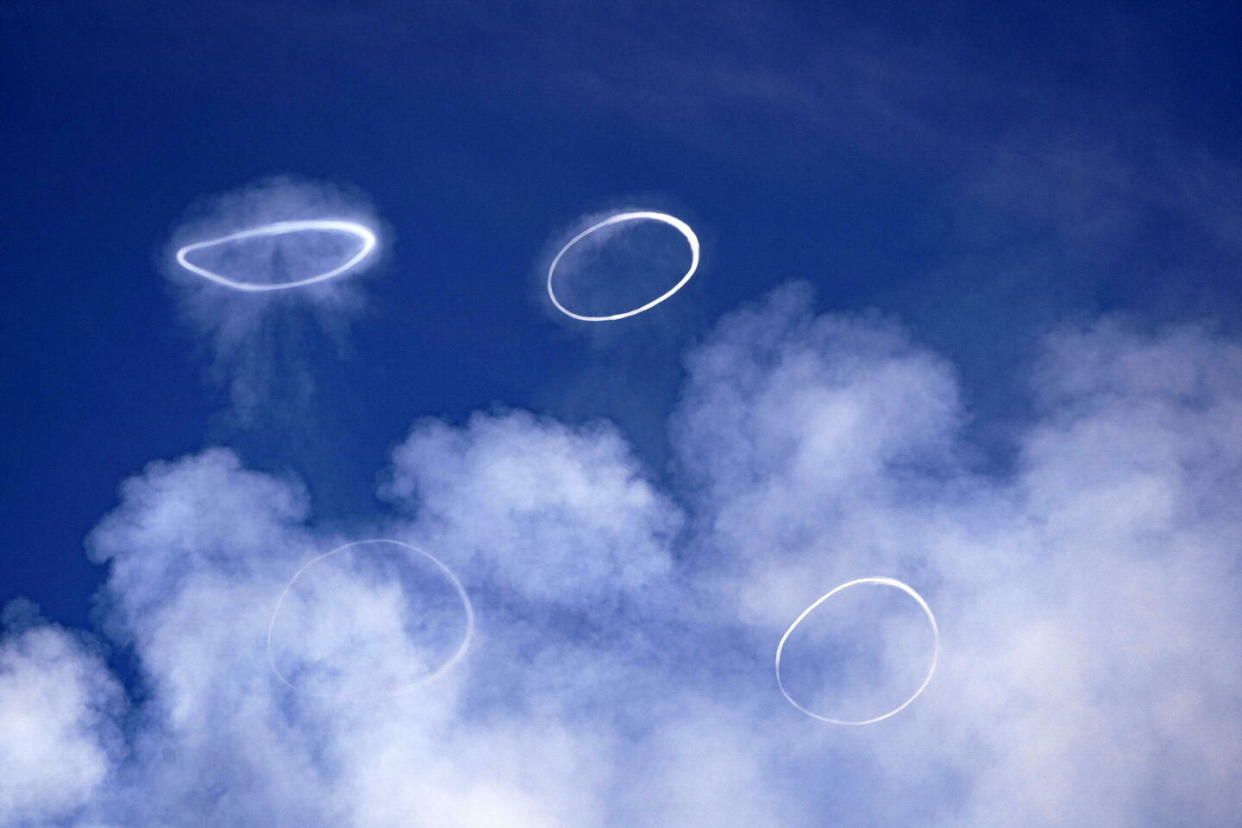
[[882, 581], [280, 228], [672, 221], [440, 671]]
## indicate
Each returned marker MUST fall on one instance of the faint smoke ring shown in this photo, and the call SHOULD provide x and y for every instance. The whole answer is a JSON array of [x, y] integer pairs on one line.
[[467, 608], [881, 581], [280, 228], [672, 221]]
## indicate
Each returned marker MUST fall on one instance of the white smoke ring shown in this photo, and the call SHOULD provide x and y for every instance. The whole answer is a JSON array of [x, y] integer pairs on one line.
[[672, 221], [440, 671], [882, 581], [280, 228]]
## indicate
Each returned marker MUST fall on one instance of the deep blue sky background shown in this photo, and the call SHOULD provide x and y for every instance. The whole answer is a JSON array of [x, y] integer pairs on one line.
[[978, 170]]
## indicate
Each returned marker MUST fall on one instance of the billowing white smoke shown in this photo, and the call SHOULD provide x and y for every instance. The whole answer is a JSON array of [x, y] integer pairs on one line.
[[621, 672], [552, 514], [57, 708]]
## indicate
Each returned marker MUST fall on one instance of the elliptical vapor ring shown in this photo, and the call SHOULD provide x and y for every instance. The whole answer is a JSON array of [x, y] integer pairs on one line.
[[892, 582], [280, 228], [448, 664], [672, 221]]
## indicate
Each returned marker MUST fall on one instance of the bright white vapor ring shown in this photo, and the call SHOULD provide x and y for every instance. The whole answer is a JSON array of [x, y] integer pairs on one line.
[[448, 664], [882, 581], [280, 228], [672, 221]]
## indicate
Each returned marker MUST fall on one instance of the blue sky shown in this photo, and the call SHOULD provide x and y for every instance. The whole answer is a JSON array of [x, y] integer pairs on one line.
[[966, 316]]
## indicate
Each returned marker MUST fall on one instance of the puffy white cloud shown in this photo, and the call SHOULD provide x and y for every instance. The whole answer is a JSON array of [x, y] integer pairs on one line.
[[1104, 656], [1088, 598], [813, 446], [201, 515], [58, 737], [621, 672], [550, 512]]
